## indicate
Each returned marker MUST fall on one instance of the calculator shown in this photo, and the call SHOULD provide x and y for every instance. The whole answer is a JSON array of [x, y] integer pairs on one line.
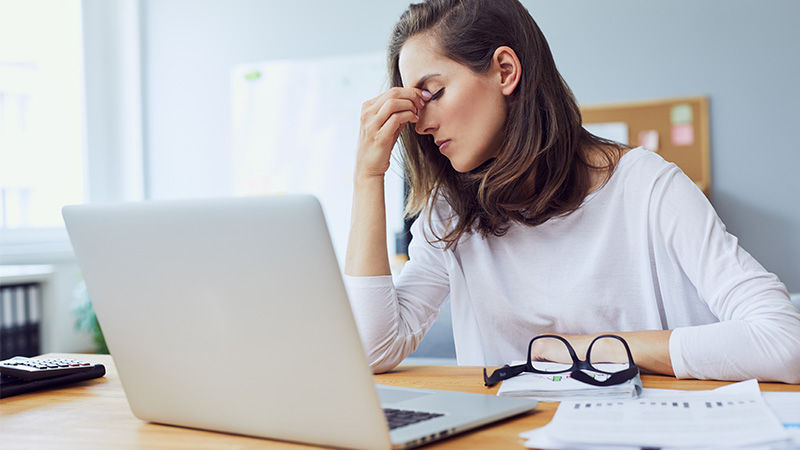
[[35, 368], [21, 374]]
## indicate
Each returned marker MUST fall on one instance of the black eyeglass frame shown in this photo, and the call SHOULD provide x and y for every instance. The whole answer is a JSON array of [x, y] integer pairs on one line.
[[576, 371]]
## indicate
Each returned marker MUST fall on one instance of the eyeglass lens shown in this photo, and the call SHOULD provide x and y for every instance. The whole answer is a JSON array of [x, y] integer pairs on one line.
[[559, 359], [608, 356]]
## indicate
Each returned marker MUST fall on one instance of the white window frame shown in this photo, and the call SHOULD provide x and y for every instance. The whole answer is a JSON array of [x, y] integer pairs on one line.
[[114, 168]]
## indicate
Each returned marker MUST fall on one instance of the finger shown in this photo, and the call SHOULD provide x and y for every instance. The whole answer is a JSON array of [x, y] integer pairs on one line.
[[413, 94], [383, 106], [395, 105], [370, 108], [387, 134], [392, 106]]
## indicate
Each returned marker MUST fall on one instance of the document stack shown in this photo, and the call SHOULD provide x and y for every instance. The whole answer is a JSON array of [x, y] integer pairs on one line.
[[559, 387], [732, 416]]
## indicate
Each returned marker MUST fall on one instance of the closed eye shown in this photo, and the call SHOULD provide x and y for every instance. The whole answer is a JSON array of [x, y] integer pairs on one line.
[[437, 94]]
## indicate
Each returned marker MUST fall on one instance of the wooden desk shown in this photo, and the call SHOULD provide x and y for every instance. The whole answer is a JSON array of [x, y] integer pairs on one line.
[[95, 413]]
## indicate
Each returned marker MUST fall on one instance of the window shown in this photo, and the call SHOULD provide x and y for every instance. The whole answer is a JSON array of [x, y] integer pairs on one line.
[[41, 112]]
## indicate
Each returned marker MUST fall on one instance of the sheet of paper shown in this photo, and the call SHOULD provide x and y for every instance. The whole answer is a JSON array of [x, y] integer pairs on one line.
[[735, 415], [616, 131], [786, 406]]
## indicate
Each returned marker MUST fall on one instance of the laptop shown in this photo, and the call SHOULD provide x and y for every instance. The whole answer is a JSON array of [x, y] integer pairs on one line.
[[231, 315]]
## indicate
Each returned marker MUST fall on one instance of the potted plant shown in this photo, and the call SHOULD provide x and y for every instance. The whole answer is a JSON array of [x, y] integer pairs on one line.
[[86, 318]]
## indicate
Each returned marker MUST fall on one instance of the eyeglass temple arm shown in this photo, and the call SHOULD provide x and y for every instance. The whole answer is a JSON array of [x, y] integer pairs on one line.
[[502, 373]]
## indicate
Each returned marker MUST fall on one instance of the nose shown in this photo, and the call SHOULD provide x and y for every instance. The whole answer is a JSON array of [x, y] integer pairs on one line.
[[425, 124]]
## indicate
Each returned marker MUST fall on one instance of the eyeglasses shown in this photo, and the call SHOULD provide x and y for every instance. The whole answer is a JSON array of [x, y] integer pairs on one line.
[[585, 371]]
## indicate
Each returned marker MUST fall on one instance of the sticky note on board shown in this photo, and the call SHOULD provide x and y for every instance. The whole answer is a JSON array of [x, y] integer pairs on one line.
[[680, 114], [649, 140], [682, 135]]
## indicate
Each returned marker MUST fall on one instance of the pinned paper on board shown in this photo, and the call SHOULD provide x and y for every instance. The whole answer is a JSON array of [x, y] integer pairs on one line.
[[649, 140], [681, 114], [682, 135], [616, 131]]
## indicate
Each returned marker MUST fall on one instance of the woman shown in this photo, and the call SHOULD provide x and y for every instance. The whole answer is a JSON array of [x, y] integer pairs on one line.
[[532, 225]]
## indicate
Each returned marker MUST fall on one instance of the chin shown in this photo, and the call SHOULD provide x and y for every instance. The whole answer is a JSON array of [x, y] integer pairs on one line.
[[461, 168], [470, 166]]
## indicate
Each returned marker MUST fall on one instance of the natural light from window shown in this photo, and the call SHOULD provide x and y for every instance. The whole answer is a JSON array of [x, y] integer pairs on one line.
[[41, 112]]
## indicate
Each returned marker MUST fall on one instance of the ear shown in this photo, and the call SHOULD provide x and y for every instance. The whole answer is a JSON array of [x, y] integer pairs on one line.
[[508, 69]]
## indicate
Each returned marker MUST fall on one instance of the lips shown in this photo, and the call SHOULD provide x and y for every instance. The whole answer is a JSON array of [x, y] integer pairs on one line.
[[443, 144]]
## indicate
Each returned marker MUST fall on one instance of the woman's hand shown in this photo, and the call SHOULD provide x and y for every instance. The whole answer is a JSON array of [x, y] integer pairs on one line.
[[382, 119]]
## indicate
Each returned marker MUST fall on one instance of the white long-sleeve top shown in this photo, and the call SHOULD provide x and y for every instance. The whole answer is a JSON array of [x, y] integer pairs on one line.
[[646, 251]]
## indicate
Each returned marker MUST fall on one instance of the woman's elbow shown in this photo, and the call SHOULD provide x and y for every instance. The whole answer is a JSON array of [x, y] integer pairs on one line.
[[788, 369], [388, 356], [382, 366], [783, 362]]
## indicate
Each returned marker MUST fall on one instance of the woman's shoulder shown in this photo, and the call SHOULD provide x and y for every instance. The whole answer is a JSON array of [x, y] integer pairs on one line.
[[643, 166], [647, 175], [616, 166]]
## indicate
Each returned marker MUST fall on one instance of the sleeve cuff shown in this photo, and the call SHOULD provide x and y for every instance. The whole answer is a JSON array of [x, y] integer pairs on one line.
[[676, 354], [378, 281]]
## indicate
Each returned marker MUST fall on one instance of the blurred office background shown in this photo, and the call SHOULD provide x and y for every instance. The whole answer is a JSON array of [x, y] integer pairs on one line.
[[120, 100]]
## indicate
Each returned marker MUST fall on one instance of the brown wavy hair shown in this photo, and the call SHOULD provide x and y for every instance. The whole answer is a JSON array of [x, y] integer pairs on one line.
[[542, 169]]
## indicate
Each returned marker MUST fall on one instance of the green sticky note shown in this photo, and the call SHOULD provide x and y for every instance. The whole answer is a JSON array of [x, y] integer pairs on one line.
[[252, 76], [681, 114]]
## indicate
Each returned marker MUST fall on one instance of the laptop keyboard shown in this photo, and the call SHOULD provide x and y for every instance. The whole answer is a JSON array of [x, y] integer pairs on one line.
[[401, 417]]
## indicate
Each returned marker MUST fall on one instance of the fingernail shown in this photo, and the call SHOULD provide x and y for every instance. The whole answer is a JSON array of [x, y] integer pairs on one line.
[[427, 95]]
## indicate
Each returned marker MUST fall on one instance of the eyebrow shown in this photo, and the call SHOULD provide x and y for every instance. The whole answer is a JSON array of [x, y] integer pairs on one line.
[[422, 80]]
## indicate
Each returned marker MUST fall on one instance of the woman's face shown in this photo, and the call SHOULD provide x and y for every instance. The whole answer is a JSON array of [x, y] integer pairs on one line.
[[467, 112]]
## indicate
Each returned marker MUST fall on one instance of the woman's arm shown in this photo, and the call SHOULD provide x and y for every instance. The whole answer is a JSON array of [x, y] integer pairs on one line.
[[758, 333], [650, 349], [367, 253], [391, 321], [382, 119]]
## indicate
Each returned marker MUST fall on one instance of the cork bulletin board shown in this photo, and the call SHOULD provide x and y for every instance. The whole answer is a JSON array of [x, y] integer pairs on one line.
[[675, 128]]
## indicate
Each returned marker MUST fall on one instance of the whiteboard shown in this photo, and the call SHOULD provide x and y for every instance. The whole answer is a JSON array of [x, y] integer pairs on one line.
[[295, 127]]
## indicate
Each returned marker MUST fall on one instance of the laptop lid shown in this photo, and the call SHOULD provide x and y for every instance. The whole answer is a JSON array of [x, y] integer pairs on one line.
[[231, 315]]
